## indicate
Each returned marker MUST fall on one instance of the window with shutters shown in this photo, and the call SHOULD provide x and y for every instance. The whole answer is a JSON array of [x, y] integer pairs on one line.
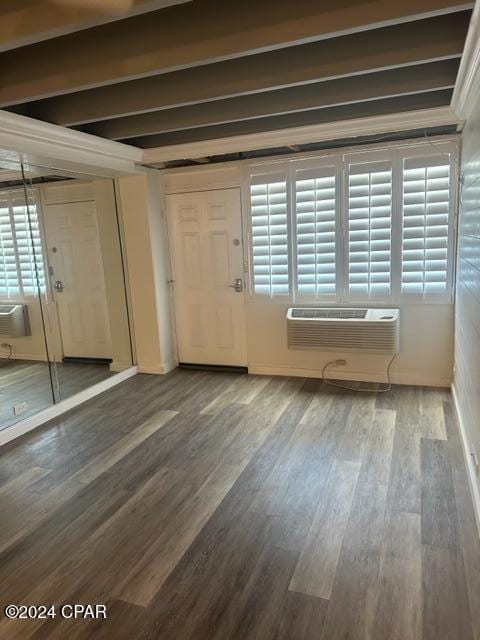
[[425, 225], [269, 229], [369, 230], [315, 232], [20, 248], [369, 225]]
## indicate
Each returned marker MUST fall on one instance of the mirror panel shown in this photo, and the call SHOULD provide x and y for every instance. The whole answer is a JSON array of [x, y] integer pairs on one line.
[[25, 370], [89, 337], [63, 264]]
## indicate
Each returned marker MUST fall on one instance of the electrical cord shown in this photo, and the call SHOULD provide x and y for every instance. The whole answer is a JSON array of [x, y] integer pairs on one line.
[[5, 345], [348, 388]]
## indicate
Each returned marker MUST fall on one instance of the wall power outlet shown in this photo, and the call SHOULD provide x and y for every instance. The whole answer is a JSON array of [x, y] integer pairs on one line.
[[20, 408]]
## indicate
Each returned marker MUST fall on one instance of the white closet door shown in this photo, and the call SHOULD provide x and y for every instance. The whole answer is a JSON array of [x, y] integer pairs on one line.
[[206, 244]]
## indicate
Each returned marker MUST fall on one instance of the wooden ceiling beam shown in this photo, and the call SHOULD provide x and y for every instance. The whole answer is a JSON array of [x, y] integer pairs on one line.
[[25, 22], [420, 41], [375, 128], [383, 84], [299, 119], [192, 34]]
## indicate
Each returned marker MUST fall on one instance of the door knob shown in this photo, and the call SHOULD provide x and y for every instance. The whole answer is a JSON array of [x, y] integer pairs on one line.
[[237, 285], [58, 286]]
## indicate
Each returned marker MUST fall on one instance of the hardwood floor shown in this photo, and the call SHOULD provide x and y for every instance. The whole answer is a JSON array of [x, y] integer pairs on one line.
[[220, 507], [29, 381]]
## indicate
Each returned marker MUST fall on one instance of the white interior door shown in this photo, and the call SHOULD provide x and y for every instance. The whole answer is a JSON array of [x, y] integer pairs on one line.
[[76, 274], [206, 244]]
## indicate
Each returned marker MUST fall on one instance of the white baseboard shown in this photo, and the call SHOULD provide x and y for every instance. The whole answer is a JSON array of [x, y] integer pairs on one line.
[[471, 473], [364, 376], [32, 422], [159, 370], [116, 366], [169, 366]]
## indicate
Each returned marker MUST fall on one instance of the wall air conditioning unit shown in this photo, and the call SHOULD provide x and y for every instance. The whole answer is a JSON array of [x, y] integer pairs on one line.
[[13, 320], [337, 329]]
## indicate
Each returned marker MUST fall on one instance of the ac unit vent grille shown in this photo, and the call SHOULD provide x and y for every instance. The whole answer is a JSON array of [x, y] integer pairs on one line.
[[13, 321], [344, 330], [329, 313]]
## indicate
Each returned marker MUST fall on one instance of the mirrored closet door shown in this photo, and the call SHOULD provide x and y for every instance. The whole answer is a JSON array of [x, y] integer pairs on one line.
[[85, 303], [64, 272], [25, 372]]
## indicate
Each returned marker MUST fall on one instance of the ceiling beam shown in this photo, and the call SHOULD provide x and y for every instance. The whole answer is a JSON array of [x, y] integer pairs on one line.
[[383, 84], [24, 22], [192, 34], [298, 119], [344, 129], [419, 41]]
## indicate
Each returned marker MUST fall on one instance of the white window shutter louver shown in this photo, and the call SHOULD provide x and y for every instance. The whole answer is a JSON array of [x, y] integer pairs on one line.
[[315, 222], [369, 230], [269, 227], [425, 225]]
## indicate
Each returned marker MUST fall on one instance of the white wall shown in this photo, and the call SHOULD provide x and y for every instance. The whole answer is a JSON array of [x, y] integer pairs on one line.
[[467, 338], [147, 259], [104, 194], [427, 331], [425, 358]]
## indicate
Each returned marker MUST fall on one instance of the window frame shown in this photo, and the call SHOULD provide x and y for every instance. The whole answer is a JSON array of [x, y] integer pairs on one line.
[[396, 153]]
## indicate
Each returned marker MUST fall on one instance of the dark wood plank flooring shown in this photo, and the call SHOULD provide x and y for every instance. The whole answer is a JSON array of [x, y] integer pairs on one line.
[[220, 506]]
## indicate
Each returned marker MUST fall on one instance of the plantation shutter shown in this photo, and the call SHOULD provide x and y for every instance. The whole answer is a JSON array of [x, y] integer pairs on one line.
[[269, 225], [425, 228], [369, 229], [315, 212], [20, 248], [9, 284]]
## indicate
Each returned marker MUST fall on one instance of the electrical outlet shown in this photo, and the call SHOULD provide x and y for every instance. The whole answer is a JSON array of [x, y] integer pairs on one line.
[[5, 345], [19, 408], [340, 363]]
